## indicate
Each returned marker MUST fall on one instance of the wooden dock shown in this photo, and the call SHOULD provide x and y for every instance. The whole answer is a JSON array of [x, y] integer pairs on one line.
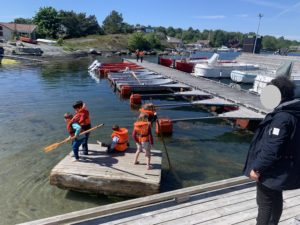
[[270, 62], [110, 174], [217, 89], [231, 201]]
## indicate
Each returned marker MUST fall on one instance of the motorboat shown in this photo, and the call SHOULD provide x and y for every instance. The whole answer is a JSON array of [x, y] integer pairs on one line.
[[140, 77], [94, 66], [144, 82], [285, 69], [131, 72], [224, 48], [240, 76], [215, 69]]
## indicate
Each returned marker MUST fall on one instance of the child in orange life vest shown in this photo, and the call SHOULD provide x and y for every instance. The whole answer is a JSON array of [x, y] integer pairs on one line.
[[74, 130], [143, 137], [119, 140], [83, 117], [149, 110], [141, 55]]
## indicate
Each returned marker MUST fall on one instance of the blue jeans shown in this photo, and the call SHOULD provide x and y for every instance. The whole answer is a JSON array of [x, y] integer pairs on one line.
[[75, 146], [85, 140], [270, 204]]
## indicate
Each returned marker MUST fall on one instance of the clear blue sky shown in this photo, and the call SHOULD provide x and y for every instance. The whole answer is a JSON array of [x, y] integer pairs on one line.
[[280, 18]]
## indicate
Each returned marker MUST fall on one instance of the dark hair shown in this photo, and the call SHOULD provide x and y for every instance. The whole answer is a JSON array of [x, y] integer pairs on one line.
[[68, 115], [78, 104], [286, 87], [115, 127]]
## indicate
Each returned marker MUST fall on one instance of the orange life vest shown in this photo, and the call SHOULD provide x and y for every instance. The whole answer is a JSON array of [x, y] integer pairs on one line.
[[70, 128], [122, 134], [83, 117], [142, 130], [150, 113], [141, 53]]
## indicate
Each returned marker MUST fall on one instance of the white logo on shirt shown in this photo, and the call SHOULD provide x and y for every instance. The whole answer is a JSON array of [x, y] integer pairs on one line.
[[276, 131]]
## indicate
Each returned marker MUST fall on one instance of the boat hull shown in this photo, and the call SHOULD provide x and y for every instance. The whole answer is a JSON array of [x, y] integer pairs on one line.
[[242, 76]]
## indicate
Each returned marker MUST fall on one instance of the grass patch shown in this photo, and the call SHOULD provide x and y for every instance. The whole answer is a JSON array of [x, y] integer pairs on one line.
[[111, 42]]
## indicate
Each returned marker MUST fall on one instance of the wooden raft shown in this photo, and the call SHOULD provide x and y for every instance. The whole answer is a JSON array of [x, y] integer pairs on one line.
[[109, 174]]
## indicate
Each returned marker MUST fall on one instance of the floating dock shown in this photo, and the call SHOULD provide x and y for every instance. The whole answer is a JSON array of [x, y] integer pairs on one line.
[[231, 201], [217, 89], [250, 111], [270, 62], [110, 174]]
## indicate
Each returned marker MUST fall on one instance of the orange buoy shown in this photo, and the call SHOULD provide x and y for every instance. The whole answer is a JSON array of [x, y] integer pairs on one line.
[[125, 91], [164, 126], [135, 99]]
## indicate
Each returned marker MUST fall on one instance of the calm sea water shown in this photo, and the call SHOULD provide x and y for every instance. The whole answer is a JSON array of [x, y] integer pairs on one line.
[[33, 100]]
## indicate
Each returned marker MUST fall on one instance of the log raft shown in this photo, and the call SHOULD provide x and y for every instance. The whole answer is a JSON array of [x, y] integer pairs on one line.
[[109, 174]]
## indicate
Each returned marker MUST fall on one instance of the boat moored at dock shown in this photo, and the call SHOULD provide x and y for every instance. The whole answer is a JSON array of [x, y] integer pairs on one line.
[[215, 69]]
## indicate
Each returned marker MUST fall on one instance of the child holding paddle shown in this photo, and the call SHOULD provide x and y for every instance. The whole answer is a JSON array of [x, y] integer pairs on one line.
[[82, 116], [74, 129]]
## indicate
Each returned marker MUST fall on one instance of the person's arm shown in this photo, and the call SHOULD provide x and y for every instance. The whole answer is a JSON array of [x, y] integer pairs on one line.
[[134, 136], [150, 136], [77, 129], [274, 143], [114, 142]]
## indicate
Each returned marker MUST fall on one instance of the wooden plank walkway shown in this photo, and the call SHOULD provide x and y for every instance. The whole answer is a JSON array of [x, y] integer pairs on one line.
[[270, 61], [225, 202], [112, 174], [243, 98]]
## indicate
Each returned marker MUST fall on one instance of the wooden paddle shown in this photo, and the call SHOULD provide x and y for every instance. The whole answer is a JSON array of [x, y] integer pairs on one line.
[[57, 144], [134, 75]]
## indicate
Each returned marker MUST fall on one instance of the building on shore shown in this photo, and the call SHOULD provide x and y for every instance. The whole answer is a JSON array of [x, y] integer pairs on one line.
[[10, 30]]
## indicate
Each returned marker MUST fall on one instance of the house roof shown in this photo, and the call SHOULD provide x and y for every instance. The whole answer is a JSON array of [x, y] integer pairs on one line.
[[24, 28]]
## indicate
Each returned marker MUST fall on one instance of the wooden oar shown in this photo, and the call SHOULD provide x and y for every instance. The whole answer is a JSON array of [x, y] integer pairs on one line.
[[134, 75], [57, 144]]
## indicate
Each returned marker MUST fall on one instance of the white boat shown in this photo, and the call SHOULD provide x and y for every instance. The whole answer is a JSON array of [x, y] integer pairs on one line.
[[224, 48], [46, 41], [240, 76], [215, 69], [144, 82], [140, 77], [285, 69], [130, 73], [95, 65]]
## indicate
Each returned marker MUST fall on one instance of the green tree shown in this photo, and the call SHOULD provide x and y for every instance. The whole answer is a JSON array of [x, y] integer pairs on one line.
[[78, 25], [138, 41], [270, 43], [48, 22], [23, 20], [154, 41], [161, 29], [219, 38], [113, 23], [127, 28], [171, 32]]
